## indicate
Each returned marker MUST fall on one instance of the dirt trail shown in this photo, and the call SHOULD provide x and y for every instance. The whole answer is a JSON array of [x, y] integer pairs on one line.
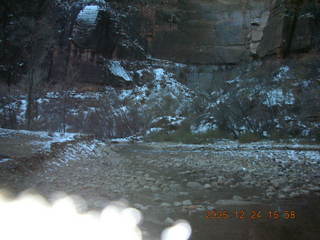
[[169, 182]]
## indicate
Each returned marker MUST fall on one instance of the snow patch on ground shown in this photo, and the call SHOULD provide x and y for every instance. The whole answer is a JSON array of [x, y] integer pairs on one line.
[[127, 139], [46, 140], [84, 150], [56, 138]]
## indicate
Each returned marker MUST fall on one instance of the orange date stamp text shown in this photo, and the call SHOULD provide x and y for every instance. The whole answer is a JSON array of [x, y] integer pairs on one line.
[[251, 215]]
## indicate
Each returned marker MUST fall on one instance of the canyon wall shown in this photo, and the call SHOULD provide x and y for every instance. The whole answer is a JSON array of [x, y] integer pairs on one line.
[[75, 39]]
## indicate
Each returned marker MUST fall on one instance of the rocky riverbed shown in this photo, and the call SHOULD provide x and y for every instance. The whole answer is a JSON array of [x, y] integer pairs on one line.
[[225, 190]]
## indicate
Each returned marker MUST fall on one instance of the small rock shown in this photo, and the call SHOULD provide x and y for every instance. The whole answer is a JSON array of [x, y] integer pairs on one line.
[[183, 193], [227, 182], [187, 202], [140, 206], [221, 180], [271, 189], [194, 185], [275, 183], [255, 197], [200, 208], [245, 183], [177, 204], [146, 187], [257, 184], [281, 196], [165, 189], [237, 198], [165, 204], [287, 189], [269, 194], [304, 191], [150, 179], [168, 221], [174, 186], [236, 184], [154, 189], [157, 198], [314, 188], [214, 184], [207, 186], [158, 182], [294, 194], [247, 178]]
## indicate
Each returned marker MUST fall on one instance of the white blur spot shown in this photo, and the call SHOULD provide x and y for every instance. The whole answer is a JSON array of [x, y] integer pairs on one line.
[[181, 230], [32, 217]]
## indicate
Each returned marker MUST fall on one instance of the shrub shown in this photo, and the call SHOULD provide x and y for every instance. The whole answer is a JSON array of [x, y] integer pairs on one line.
[[176, 136], [317, 136], [184, 135]]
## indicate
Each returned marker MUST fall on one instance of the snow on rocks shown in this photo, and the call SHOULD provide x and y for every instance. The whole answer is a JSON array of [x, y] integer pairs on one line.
[[89, 14], [6, 159], [175, 88], [157, 93], [165, 123], [282, 74], [203, 127], [278, 97], [117, 70]]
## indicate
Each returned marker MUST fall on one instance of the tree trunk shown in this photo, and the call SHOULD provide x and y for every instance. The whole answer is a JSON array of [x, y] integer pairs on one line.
[[29, 112]]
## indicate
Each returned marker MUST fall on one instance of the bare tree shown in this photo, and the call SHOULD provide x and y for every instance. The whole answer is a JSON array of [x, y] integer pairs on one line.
[[36, 51]]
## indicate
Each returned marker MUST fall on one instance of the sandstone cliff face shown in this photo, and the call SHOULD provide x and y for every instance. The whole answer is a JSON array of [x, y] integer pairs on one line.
[[229, 31], [86, 34], [201, 31], [292, 27]]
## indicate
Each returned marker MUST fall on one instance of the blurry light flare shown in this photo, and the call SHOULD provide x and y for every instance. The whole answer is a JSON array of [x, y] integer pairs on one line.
[[30, 216], [117, 219], [133, 216], [181, 230], [24, 211]]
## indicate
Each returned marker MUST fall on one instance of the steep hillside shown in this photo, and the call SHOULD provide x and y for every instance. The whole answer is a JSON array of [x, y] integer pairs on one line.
[[116, 68]]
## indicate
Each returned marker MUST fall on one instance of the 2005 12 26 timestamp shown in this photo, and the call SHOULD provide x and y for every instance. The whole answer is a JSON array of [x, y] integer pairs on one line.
[[251, 215]]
